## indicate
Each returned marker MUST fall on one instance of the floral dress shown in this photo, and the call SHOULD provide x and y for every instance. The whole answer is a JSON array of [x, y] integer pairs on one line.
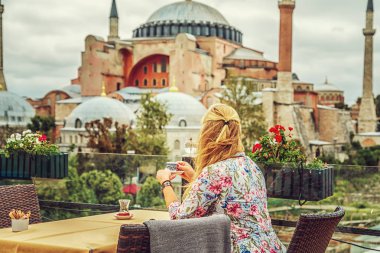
[[234, 187]]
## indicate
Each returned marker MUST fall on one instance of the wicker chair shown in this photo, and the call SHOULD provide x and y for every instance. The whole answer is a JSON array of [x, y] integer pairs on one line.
[[314, 231], [133, 238], [312, 234], [22, 197]]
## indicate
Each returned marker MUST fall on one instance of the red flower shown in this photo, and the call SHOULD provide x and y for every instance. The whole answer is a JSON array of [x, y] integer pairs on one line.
[[256, 147], [279, 127], [273, 130], [291, 128], [42, 138], [278, 138]]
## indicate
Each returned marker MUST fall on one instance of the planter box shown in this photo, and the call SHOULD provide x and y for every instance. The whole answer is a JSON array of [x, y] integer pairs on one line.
[[25, 166], [293, 183]]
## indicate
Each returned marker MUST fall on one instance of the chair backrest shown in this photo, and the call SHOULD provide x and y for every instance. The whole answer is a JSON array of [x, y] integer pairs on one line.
[[133, 238], [314, 231], [22, 197]]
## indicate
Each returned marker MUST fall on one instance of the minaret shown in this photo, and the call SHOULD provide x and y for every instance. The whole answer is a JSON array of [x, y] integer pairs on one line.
[[114, 23], [367, 114], [284, 75], [3, 85]]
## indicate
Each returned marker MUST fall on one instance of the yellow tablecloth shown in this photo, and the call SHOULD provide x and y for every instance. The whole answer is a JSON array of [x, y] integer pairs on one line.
[[93, 234]]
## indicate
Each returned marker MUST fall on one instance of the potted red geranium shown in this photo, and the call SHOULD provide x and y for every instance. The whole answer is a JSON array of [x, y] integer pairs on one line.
[[30, 155], [285, 167]]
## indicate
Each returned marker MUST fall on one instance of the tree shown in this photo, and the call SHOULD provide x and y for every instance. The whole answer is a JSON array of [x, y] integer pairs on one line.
[[150, 194], [240, 95], [41, 124], [152, 116], [149, 136], [106, 185], [101, 138]]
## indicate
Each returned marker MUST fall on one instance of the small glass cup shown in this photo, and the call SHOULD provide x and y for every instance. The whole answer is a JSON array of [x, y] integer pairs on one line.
[[124, 205]]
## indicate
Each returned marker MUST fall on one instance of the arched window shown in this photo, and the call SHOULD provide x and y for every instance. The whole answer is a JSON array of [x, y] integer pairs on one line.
[[118, 86], [299, 87], [136, 82], [155, 67], [78, 123], [145, 82], [163, 82], [145, 70], [177, 145], [182, 123], [154, 82]]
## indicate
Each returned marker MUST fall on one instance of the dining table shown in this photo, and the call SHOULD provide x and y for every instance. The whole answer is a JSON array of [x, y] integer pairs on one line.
[[93, 234]]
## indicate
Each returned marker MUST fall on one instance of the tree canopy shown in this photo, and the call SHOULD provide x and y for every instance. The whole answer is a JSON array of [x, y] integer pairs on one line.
[[240, 94]]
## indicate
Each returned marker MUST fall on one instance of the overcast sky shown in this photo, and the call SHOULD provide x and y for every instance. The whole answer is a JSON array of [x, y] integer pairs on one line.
[[44, 38]]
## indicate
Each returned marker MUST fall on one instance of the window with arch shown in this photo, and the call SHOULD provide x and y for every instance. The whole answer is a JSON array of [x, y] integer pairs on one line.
[[155, 67], [177, 145], [154, 82], [136, 82], [182, 123], [145, 70], [145, 82], [299, 87], [163, 65], [78, 123], [118, 86], [163, 82]]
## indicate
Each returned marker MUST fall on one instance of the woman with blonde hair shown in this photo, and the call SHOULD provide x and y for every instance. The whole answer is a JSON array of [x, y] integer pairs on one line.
[[225, 181]]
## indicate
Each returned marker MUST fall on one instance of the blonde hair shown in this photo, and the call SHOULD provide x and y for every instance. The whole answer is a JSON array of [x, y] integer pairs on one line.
[[219, 139]]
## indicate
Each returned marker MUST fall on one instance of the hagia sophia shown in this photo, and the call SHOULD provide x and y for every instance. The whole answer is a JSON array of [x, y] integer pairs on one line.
[[184, 54]]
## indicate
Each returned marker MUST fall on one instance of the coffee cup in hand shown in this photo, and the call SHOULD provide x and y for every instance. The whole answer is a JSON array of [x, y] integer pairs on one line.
[[172, 166]]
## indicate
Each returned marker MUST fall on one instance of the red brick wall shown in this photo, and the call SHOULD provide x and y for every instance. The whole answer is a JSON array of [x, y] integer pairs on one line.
[[143, 73]]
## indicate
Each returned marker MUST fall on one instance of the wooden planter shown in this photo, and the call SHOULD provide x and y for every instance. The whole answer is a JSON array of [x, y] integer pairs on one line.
[[26, 166], [295, 183]]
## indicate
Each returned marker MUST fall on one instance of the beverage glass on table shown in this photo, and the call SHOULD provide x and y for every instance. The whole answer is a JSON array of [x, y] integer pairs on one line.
[[124, 205]]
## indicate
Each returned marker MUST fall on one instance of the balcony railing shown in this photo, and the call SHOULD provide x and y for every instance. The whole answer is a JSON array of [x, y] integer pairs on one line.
[[94, 183]]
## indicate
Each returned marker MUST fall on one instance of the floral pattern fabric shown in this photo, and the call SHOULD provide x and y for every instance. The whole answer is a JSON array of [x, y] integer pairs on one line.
[[234, 187]]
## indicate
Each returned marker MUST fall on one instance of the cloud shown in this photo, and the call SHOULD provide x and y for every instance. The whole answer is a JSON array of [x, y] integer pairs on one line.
[[44, 38]]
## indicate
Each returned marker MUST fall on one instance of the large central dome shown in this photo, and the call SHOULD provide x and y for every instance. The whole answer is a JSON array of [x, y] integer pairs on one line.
[[188, 11], [188, 17]]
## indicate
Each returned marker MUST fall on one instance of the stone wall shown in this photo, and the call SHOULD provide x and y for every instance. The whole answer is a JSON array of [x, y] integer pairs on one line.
[[335, 125]]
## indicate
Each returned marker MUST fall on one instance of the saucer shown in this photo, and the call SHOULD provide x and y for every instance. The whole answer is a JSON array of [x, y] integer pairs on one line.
[[120, 217]]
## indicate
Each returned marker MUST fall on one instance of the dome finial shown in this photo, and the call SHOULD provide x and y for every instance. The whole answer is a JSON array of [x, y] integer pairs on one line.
[[173, 87], [103, 94]]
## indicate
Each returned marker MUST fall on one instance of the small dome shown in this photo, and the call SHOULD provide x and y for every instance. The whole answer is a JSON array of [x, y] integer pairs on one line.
[[186, 110], [14, 110], [98, 108], [326, 86], [188, 11]]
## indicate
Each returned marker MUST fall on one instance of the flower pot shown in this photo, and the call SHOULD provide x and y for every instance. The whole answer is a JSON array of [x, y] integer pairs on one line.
[[20, 225], [26, 166], [289, 182]]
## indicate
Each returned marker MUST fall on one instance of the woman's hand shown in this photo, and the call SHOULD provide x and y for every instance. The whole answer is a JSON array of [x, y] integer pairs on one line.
[[164, 175], [188, 171]]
